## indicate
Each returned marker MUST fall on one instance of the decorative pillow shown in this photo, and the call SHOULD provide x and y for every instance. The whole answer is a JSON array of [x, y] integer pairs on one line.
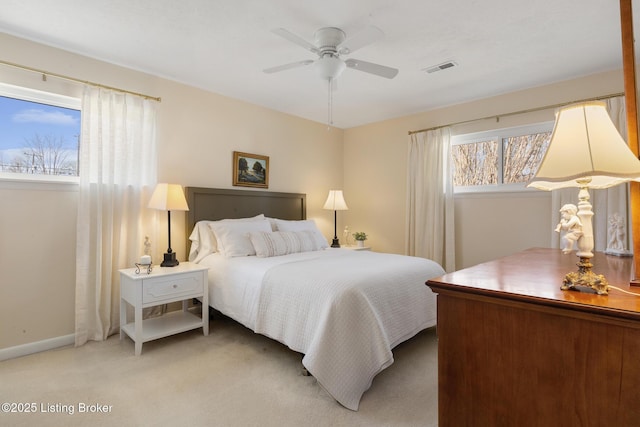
[[233, 237], [203, 241], [282, 242], [303, 225]]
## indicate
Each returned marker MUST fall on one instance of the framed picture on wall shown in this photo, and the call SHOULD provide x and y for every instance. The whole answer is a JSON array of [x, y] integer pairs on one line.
[[250, 170]]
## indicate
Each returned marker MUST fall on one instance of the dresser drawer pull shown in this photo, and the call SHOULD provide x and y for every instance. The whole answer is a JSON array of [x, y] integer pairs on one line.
[[175, 286]]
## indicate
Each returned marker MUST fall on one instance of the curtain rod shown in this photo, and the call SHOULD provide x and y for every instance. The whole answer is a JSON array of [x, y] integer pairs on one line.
[[73, 79], [530, 110]]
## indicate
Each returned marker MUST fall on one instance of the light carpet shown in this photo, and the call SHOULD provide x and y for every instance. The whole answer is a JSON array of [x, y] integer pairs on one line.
[[232, 377]]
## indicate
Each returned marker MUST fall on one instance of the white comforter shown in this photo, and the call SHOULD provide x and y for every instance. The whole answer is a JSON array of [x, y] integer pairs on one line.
[[344, 310]]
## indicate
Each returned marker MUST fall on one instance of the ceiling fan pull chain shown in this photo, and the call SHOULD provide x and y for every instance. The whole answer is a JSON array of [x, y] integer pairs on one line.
[[330, 106]]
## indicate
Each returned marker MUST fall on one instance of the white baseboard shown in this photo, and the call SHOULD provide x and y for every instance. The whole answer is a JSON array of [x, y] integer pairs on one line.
[[36, 347]]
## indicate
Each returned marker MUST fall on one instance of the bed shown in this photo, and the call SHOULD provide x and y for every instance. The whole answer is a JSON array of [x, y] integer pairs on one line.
[[272, 271]]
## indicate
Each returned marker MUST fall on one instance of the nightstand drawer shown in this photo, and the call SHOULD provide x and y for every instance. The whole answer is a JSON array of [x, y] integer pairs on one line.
[[171, 288]]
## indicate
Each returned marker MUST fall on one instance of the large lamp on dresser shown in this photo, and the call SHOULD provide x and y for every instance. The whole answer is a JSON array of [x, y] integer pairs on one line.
[[169, 197], [586, 151]]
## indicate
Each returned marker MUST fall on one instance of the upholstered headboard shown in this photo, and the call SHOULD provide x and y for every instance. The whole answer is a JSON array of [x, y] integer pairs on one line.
[[217, 203]]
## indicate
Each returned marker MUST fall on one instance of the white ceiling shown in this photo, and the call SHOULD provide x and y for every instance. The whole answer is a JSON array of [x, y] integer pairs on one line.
[[223, 46]]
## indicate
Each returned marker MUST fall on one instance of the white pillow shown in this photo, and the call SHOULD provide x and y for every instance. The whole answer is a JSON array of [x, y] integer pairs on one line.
[[308, 224], [272, 221], [282, 242], [233, 237], [203, 241]]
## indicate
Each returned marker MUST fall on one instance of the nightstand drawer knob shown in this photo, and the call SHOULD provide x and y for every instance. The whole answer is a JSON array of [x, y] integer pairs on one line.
[[175, 286]]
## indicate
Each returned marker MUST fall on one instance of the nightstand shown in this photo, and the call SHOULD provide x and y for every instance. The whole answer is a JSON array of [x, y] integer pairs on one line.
[[357, 248], [162, 286]]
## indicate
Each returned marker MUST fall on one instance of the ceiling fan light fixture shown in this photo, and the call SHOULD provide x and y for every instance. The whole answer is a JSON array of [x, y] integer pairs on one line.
[[330, 43], [329, 67]]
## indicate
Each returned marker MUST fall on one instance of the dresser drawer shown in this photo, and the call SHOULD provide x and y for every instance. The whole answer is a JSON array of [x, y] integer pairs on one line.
[[172, 287]]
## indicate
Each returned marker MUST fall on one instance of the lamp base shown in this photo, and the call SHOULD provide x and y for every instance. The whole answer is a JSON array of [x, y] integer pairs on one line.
[[585, 280], [169, 260], [335, 243]]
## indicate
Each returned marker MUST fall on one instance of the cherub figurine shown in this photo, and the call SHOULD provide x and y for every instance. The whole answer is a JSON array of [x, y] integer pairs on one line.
[[572, 226]]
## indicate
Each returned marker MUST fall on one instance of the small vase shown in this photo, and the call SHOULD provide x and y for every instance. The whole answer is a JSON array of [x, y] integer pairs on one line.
[[360, 243]]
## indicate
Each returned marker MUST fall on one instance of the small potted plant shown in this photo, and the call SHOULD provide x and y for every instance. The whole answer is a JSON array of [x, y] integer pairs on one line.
[[360, 237]]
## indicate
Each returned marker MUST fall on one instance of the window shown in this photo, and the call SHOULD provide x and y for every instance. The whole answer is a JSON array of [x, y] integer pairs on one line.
[[500, 159], [39, 134]]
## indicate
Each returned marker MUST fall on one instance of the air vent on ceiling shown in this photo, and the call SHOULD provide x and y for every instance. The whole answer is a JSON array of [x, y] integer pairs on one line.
[[440, 67]]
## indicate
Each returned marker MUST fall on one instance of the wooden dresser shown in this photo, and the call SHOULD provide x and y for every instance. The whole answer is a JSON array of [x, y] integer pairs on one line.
[[515, 350]]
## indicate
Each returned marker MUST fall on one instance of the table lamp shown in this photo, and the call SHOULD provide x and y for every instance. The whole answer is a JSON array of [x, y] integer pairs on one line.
[[335, 202], [586, 151], [168, 197]]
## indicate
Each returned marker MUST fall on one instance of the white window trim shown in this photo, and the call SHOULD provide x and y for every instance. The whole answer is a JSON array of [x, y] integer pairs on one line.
[[42, 97], [498, 134], [34, 95]]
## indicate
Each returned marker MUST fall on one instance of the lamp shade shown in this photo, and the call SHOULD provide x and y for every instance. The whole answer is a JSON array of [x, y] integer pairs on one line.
[[168, 197], [335, 201], [584, 145]]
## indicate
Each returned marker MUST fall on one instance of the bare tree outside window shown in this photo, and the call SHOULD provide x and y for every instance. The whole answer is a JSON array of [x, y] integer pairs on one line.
[[522, 156], [475, 163], [46, 155]]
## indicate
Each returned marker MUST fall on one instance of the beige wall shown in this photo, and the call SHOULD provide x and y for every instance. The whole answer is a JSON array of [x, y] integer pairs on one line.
[[197, 132], [37, 262], [487, 226]]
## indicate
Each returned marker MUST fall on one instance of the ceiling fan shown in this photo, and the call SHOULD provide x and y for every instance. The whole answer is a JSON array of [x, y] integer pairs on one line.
[[330, 44]]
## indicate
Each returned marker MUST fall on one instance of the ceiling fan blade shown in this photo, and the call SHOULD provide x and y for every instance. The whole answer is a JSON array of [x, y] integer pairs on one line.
[[296, 39], [288, 66], [359, 40], [371, 68]]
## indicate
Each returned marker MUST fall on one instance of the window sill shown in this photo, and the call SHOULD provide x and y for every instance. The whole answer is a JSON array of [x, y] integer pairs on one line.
[[42, 182], [503, 192]]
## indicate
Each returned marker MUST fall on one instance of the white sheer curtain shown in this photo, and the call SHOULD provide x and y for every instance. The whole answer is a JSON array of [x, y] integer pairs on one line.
[[430, 208], [117, 173], [607, 202]]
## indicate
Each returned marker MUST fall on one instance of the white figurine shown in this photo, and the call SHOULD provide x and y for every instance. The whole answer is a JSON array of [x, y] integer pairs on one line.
[[147, 246], [571, 224], [616, 233], [617, 236]]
